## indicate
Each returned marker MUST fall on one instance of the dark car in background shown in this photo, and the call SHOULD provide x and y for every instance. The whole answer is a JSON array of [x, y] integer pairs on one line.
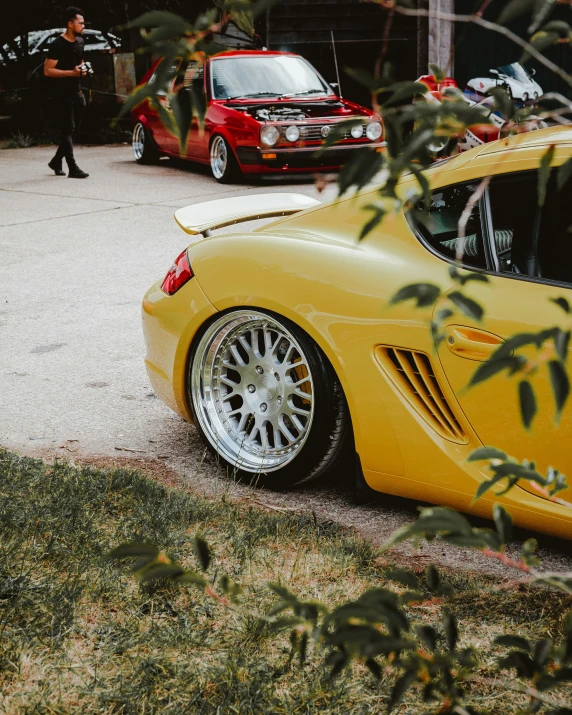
[[40, 40]]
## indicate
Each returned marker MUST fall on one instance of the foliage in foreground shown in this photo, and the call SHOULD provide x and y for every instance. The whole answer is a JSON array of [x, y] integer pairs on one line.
[[78, 636]]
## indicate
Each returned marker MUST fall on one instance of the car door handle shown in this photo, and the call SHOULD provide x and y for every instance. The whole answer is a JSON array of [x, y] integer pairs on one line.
[[471, 343]]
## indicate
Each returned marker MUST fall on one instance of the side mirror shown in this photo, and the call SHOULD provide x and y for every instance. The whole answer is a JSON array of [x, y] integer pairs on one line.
[[335, 86], [494, 72], [532, 71]]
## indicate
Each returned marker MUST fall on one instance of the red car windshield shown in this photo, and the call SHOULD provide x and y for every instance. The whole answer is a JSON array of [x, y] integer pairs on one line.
[[272, 76]]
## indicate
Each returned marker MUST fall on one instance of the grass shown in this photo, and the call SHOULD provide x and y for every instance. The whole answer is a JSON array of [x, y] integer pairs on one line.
[[78, 635]]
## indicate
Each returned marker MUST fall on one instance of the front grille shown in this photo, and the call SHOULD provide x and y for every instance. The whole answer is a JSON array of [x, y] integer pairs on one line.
[[412, 374], [313, 132]]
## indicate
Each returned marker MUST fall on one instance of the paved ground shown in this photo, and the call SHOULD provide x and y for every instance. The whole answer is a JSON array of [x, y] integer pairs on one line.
[[75, 260]]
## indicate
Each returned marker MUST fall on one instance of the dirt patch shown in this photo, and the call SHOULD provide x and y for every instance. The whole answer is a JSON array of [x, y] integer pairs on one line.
[[329, 503]]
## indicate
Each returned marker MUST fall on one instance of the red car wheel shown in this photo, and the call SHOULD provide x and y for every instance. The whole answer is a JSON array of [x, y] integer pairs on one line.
[[224, 165]]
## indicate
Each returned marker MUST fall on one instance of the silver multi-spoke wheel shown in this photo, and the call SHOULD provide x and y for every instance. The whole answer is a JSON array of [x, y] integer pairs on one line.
[[219, 157], [252, 391], [138, 141]]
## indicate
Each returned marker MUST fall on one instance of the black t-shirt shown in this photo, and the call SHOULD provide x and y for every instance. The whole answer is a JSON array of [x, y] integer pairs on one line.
[[69, 55]]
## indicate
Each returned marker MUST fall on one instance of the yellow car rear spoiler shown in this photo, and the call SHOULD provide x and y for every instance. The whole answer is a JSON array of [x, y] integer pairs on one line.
[[206, 216]]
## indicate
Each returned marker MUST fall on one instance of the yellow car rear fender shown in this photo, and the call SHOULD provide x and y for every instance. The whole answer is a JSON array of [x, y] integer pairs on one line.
[[338, 293]]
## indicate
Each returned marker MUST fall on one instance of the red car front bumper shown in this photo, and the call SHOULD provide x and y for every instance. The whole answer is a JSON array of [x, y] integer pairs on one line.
[[254, 160]]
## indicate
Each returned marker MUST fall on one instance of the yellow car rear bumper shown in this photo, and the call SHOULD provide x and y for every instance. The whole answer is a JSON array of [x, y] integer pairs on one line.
[[169, 326]]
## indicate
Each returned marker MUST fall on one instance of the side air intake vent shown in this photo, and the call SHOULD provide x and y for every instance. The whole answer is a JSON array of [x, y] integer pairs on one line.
[[411, 372]]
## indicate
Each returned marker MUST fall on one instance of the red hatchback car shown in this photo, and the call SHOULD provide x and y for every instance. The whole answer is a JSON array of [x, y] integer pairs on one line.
[[267, 113]]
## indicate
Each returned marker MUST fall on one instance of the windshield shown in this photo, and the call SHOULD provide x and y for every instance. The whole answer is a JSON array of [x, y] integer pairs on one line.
[[515, 71], [273, 76]]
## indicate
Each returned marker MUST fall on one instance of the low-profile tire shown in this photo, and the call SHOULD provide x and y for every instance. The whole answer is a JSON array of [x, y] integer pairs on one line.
[[224, 165], [266, 400], [144, 148]]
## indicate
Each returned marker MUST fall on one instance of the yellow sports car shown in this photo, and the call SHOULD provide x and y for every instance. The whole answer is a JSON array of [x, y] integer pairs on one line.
[[282, 347]]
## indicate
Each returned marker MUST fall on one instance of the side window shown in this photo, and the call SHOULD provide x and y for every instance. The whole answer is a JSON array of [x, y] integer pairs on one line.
[[554, 255], [194, 75], [514, 207], [531, 240], [440, 225]]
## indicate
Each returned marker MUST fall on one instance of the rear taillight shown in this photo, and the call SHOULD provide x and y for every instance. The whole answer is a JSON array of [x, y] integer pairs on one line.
[[179, 273]]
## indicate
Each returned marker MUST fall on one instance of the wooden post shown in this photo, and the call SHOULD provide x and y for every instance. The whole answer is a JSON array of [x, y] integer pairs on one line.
[[441, 47]]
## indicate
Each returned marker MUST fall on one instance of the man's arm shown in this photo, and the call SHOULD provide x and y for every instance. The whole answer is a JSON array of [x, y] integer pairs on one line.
[[51, 71]]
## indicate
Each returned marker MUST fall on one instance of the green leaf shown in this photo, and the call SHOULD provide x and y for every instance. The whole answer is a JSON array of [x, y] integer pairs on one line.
[[133, 549], [467, 306], [428, 635], [564, 174], [181, 107], [561, 303], [527, 402], [157, 18], [406, 578], [424, 294], [528, 552], [433, 578], [542, 652], [192, 578], [540, 41], [374, 668], [544, 173], [486, 453], [514, 9], [513, 642], [202, 552], [439, 520], [377, 217], [493, 366], [451, 630], [360, 169], [560, 385], [437, 72], [503, 523], [561, 342], [401, 686], [158, 571]]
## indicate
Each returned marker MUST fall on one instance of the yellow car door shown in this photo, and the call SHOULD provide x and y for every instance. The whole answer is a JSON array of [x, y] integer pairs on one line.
[[526, 255]]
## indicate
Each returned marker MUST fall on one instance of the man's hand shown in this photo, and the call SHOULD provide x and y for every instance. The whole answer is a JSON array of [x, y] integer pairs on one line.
[[50, 70]]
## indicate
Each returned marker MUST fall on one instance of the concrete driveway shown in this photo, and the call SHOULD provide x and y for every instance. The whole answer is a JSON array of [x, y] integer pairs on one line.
[[76, 257]]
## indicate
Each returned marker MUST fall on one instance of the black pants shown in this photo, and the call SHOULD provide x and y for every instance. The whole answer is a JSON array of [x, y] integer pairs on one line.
[[66, 113]]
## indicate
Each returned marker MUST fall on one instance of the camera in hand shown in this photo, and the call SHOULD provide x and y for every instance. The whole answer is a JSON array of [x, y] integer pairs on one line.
[[86, 68]]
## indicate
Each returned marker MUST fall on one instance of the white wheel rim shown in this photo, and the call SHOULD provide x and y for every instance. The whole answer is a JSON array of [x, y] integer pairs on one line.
[[252, 391], [138, 141], [219, 157]]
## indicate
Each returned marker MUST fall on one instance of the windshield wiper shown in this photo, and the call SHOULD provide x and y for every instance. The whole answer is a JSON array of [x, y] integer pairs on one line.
[[306, 91], [253, 94]]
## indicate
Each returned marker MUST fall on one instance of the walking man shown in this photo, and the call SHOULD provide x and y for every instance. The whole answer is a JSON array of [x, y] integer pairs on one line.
[[63, 70]]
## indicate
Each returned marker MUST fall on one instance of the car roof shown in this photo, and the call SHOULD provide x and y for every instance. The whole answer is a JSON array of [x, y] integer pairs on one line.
[[561, 135]]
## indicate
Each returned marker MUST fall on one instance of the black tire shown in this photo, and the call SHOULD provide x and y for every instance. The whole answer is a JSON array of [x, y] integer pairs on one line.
[[329, 437], [227, 170], [144, 148]]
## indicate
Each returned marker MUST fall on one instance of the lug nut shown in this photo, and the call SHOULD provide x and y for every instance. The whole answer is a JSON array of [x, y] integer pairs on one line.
[[251, 388], [263, 407], [259, 370], [279, 400]]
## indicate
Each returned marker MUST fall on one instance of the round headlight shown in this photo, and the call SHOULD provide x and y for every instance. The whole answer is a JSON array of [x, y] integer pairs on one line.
[[357, 131], [292, 133], [269, 135], [373, 131]]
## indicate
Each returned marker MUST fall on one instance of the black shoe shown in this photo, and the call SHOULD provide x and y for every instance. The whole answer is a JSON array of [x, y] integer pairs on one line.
[[76, 173], [56, 167]]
